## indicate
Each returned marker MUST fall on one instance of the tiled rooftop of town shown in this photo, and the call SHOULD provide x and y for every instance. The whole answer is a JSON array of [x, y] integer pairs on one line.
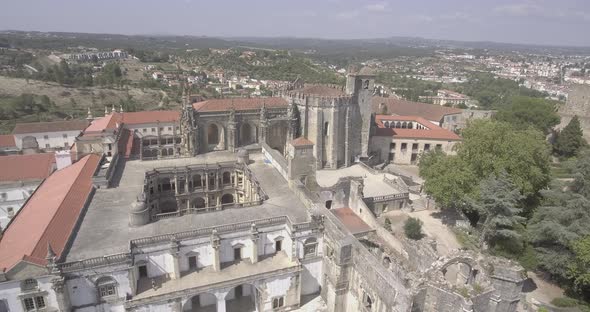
[[105, 228]]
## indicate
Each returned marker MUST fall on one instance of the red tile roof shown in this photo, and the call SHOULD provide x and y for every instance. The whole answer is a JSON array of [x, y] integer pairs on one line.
[[220, 105], [49, 216], [26, 167], [433, 132], [7, 140], [52, 126], [351, 221], [301, 141], [132, 118], [406, 108]]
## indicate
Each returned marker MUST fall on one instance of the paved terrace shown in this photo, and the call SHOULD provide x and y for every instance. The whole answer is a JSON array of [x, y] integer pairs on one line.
[[231, 275], [105, 229], [375, 184]]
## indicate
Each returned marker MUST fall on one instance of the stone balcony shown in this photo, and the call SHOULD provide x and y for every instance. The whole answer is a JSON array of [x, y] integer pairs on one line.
[[207, 279]]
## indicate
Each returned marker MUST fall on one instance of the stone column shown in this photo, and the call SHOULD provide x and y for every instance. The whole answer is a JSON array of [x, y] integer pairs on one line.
[[58, 285], [254, 236], [174, 251], [216, 244], [176, 184], [186, 182], [231, 136], [221, 301]]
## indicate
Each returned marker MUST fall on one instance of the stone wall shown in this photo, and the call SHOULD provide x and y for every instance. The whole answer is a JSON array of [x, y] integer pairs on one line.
[[578, 104]]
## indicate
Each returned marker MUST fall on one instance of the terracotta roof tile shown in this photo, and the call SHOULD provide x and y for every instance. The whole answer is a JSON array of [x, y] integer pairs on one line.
[[52, 126], [220, 105], [26, 167], [407, 108], [301, 141], [7, 140], [49, 216], [433, 132], [351, 221]]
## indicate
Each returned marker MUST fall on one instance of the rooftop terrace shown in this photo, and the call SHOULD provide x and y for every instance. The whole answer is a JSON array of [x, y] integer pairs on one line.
[[105, 229]]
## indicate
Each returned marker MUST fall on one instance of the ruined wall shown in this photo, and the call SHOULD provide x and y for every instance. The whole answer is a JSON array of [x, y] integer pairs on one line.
[[578, 104]]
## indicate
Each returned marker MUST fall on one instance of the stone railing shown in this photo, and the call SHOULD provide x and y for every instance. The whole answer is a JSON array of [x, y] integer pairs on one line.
[[384, 198], [228, 228], [95, 262]]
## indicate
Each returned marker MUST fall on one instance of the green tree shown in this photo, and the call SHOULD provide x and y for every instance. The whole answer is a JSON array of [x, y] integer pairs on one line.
[[498, 206], [490, 147], [413, 228], [555, 226], [448, 179], [570, 140], [522, 112], [579, 268]]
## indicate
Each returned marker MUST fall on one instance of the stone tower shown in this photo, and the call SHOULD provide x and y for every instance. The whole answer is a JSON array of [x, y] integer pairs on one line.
[[188, 127], [360, 83]]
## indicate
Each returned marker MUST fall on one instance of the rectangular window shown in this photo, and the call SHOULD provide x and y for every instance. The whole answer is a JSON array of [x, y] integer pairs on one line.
[[169, 128], [278, 302], [391, 146], [192, 262], [439, 146], [46, 137], [426, 147], [107, 290], [278, 245], [404, 147], [143, 271], [237, 254], [144, 130], [65, 136], [415, 146], [29, 304], [391, 156], [161, 129], [47, 146], [34, 303], [153, 129], [110, 146]]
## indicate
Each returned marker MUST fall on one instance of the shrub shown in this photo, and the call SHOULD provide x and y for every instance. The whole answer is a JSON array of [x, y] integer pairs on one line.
[[387, 224], [564, 302], [413, 228]]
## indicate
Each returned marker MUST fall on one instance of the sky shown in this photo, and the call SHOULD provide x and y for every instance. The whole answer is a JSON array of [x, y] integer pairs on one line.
[[546, 22]]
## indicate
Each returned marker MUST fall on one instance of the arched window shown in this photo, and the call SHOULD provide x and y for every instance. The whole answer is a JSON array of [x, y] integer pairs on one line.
[[310, 246], [29, 284], [404, 125], [106, 286], [199, 202], [227, 199], [329, 204], [367, 301], [212, 134]]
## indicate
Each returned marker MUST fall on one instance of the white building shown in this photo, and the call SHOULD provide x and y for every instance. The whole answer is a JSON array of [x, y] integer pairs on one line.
[[53, 135]]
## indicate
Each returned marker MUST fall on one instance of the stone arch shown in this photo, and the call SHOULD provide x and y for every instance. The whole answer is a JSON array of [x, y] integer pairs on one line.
[[197, 181], [203, 302], [460, 271], [242, 298], [246, 134], [30, 142], [168, 206], [398, 125], [227, 199], [404, 125], [199, 202], [215, 136]]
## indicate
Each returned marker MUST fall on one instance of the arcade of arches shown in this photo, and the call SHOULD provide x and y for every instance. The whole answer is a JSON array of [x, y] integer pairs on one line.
[[200, 188]]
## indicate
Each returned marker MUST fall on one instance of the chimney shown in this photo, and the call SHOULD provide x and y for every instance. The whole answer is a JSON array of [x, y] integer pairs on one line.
[[63, 159]]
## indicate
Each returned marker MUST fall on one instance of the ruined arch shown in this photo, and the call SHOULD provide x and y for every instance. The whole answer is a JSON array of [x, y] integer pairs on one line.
[[203, 302]]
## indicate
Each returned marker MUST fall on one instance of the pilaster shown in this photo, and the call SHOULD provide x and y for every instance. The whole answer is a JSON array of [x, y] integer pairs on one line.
[[255, 236], [216, 244]]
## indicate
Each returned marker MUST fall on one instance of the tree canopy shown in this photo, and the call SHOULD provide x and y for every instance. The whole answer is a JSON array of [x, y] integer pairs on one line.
[[570, 140], [523, 112]]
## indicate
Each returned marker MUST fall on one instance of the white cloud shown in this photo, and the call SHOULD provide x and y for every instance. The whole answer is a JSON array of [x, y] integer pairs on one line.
[[348, 14], [378, 7]]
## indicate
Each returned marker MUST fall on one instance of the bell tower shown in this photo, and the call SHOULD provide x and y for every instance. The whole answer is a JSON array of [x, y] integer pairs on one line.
[[360, 84]]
